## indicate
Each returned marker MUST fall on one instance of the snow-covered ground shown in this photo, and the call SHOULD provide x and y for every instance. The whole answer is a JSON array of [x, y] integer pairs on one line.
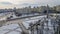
[[14, 28], [11, 29]]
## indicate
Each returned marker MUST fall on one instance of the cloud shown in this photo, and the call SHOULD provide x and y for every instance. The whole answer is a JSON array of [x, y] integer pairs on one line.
[[31, 2], [5, 3], [22, 3], [39, 2]]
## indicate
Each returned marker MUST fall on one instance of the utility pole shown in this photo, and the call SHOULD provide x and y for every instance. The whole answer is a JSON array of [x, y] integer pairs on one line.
[[47, 11], [47, 18], [57, 18]]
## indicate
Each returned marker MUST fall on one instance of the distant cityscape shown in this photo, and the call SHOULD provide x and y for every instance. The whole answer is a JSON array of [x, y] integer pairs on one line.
[[31, 10]]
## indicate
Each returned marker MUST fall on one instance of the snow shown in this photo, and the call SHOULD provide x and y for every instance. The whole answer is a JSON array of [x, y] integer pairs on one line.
[[33, 20], [12, 27], [14, 32]]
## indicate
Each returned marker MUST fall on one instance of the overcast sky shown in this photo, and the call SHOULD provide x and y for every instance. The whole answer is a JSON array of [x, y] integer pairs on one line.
[[23, 3]]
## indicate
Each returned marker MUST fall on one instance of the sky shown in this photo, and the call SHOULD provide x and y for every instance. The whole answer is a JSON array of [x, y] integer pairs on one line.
[[25, 3]]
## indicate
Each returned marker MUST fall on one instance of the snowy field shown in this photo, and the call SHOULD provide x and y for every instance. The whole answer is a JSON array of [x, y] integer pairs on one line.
[[14, 28]]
